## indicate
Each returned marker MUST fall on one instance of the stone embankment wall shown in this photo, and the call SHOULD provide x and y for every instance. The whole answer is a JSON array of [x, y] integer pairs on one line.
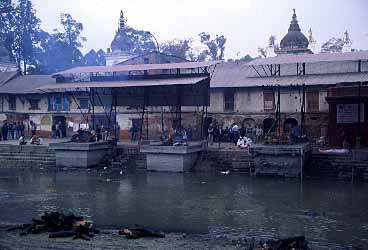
[[320, 166], [337, 167], [26, 156]]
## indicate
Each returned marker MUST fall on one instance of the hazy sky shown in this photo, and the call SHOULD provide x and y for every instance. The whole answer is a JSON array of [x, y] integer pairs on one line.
[[247, 24]]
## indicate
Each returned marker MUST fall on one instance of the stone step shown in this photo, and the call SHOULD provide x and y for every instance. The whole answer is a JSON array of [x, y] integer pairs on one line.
[[28, 160], [25, 155]]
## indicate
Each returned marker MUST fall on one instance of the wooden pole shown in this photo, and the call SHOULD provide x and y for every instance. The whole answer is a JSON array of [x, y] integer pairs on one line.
[[93, 109]]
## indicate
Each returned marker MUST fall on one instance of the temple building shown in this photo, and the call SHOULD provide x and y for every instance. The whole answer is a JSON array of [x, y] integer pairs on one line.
[[294, 42]]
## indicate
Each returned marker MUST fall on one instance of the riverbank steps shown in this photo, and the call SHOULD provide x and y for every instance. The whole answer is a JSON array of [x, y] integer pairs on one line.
[[216, 160], [26, 156]]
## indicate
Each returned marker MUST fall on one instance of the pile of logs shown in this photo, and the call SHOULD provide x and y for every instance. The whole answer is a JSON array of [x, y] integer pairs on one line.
[[59, 225]]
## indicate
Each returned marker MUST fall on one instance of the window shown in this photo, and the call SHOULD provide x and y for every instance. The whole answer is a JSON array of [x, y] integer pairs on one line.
[[229, 100], [83, 103], [58, 103], [34, 104], [269, 100], [12, 103], [313, 101]]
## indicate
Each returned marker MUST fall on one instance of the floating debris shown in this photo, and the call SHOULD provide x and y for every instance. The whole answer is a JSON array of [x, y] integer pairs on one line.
[[139, 232]]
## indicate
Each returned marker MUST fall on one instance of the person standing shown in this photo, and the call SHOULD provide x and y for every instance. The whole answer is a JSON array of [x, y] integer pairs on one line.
[[4, 131], [235, 133], [189, 132], [22, 128], [15, 131], [133, 132], [57, 129], [53, 131], [33, 128], [10, 131], [210, 132]]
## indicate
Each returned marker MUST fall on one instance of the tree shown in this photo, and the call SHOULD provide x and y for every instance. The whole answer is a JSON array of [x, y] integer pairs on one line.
[[333, 45], [262, 52], [6, 18], [60, 50], [72, 31], [19, 27], [177, 47], [215, 47], [27, 26]]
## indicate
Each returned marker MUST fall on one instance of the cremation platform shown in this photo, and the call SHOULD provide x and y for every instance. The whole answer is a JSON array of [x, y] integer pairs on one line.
[[80, 155], [172, 158], [280, 160]]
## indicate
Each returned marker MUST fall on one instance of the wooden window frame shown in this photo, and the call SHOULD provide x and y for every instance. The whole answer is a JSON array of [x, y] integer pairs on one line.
[[266, 106], [229, 100]]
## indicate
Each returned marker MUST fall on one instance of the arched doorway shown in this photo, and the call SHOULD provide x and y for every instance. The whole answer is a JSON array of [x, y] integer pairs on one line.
[[289, 124], [249, 123], [269, 125]]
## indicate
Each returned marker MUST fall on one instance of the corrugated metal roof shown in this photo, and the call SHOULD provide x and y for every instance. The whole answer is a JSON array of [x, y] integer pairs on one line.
[[325, 79], [311, 58], [26, 84], [121, 84], [137, 67], [7, 76], [237, 74]]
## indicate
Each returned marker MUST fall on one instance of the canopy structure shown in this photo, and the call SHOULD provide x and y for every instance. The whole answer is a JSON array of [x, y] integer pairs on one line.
[[193, 91], [171, 84]]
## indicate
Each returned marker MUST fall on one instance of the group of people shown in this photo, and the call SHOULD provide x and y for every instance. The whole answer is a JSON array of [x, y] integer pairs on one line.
[[216, 133], [57, 130], [103, 133], [12, 130]]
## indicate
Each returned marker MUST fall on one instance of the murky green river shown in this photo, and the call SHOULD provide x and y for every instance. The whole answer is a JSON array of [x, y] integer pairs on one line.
[[323, 211]]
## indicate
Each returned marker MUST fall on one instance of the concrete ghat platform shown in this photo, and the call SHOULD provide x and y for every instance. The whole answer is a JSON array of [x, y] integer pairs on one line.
[[172, 158], [280, 160], [79, 155]]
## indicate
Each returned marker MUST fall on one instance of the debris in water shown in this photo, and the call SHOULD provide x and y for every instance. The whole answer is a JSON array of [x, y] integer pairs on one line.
[[135, 233], [225, 172]]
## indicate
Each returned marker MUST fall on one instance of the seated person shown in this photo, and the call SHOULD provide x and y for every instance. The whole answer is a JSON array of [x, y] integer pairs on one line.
[[22, 140], [244, 142], [35, 140]]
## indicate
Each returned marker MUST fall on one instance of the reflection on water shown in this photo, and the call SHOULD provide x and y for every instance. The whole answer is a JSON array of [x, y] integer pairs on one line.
[[323, 211]]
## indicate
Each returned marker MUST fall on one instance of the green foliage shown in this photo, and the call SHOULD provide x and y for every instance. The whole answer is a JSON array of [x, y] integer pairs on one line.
[[132, 41], [333, 45], [72, 31], [19, 27], [216, 47], [177, 47]]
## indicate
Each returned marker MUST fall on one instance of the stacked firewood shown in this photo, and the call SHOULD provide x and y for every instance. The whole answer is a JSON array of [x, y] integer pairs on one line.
[[59, 225]]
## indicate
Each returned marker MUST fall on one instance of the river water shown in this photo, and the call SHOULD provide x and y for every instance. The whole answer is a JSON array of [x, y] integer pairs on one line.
[[192, 203]]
